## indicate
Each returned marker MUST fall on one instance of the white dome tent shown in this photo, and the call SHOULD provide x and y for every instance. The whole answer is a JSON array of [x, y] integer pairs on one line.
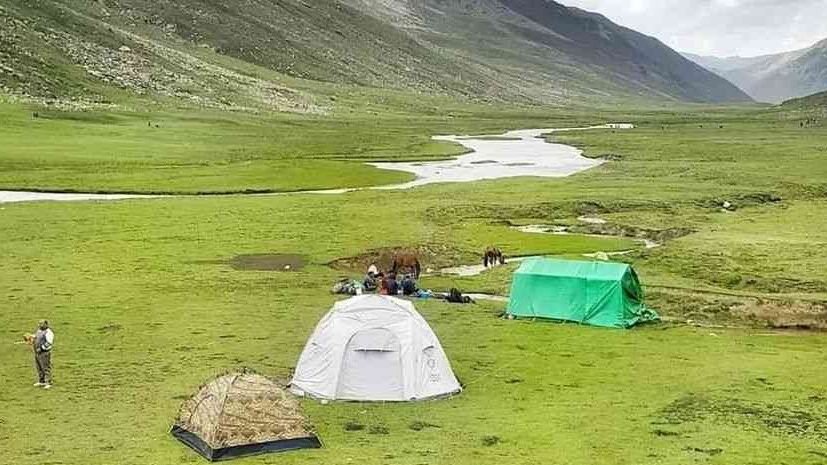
[[373, 348]]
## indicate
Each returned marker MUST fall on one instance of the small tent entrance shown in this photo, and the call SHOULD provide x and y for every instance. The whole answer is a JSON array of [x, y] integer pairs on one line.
[[372, 366]]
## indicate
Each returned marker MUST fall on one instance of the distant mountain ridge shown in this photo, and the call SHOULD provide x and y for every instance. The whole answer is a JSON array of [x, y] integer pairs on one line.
[[233, 53], [774, 78]]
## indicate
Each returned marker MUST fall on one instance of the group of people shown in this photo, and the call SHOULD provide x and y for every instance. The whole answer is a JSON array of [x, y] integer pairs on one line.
[[375, 281], [389, 284]]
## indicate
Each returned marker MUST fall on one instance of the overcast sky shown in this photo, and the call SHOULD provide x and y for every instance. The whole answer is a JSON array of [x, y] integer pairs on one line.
[[720, 27]]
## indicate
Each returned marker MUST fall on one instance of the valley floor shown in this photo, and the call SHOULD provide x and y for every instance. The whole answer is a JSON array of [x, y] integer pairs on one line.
[[145, 310]]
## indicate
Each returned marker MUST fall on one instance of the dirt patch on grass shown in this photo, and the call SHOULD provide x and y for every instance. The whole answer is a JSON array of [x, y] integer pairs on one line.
[[740, 201], [782, 285], [432, 256], [700, 450], [489, 441], [773, 418], [419, 425], [785, 315], [620, 230], [543, 212], [664, 433], [379, 429], [597, 226], [110, 328], [268, 262], [699, 307]]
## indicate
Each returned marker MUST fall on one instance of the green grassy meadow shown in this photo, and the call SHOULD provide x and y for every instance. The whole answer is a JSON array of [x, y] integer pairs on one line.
[[144, 312]]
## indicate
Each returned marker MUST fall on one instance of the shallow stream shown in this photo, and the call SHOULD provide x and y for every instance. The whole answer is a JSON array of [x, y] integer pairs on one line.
[[512, 154]]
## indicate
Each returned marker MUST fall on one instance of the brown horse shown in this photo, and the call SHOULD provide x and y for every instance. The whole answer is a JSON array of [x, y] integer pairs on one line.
[[407, 262], [492, 257]]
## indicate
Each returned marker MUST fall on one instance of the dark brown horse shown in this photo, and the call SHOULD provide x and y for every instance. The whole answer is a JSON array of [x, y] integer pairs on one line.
[[406, 262], [492, 257]]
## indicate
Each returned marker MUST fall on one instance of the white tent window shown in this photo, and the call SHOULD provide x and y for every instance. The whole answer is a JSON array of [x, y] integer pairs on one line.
[[376, 339]]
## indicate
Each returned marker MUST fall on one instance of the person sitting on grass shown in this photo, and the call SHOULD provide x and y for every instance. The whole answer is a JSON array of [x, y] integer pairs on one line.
[[380, 284], [369, 284], [42, 343], [389, 285], [409, 287], [373, 269]]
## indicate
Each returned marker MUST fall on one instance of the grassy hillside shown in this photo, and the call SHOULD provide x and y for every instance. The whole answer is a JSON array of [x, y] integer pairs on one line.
[[271, 55], [815, 101], [73, 55]]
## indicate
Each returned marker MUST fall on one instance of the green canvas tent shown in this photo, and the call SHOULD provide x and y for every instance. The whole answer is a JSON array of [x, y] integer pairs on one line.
[[594, 293]]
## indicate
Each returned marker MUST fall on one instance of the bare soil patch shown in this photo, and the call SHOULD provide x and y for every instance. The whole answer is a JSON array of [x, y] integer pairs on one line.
[[707, 308], [786, 315], [607, 229], [430, 256], [268, 262]]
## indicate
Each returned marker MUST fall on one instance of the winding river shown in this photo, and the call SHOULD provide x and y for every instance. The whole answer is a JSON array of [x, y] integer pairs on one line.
[[512, 154]]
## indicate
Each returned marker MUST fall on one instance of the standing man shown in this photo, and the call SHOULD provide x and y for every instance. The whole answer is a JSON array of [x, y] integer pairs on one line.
[[44, 340]]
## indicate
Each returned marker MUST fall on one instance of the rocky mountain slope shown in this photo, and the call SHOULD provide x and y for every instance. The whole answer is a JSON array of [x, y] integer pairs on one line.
[[816, 101], [247, 54], [542, 44], [774, 78]]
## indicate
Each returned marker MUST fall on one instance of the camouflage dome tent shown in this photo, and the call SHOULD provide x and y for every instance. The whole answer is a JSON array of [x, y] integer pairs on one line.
[[241, 414]]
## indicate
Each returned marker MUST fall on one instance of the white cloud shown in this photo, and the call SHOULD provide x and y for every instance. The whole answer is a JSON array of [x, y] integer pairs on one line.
[[720, 27]]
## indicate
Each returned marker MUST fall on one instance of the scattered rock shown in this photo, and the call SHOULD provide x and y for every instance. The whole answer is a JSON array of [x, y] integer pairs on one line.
[[710, 452], [421, 425], [489, 441], [591, 220], [664, 433], [354, 426], [379, 429], [602, 256], [159, 69]]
